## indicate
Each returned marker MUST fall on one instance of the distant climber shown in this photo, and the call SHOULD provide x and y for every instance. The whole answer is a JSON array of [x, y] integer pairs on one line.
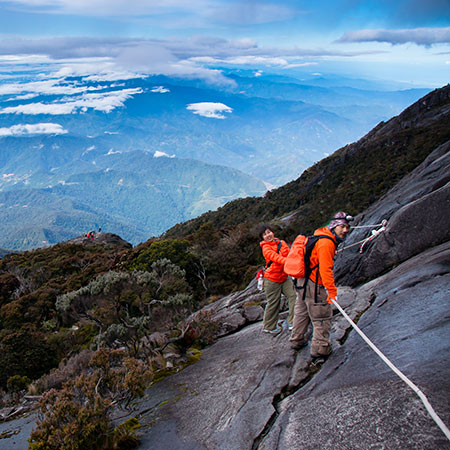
[[276, 282], [90, 235], [313, 303]]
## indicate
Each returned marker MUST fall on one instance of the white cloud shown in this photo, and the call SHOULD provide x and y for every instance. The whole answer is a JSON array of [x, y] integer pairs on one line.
[[22, 97], [253, 60], [31, 129], [209, 109], [39, 108], [159, 154], [160, 89], [105, 102], [46, 87], [419, 36], [112, 152]]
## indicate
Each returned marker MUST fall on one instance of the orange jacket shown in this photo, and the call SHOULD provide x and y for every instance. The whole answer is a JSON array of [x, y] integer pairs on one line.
[[275, 271], [323, 254]]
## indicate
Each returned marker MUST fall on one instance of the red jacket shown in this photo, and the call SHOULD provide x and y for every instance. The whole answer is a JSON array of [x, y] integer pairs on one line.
[[275, 271], [323, 254]]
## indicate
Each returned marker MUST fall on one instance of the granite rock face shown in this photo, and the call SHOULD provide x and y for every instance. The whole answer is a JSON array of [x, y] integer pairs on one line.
[[251, 391], [417, 210], [356, 401]]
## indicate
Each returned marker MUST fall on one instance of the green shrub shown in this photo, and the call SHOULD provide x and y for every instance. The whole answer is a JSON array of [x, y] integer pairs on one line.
[[25, 353], [16, 383], [78, 416]]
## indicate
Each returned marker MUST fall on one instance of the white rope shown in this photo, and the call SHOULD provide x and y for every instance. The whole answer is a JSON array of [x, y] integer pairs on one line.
[[373, 235], [369, 226], [421, 395], [351, 245]]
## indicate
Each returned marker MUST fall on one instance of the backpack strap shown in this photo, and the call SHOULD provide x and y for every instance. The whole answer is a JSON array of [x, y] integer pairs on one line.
[[309, 270], [270, 262]]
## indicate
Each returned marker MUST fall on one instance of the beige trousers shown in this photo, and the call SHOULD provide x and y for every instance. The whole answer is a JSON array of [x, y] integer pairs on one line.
[[319, 313]]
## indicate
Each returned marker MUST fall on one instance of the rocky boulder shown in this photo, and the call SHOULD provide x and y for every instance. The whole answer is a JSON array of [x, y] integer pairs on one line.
[[417, 210], [107, 239], [251, 391]]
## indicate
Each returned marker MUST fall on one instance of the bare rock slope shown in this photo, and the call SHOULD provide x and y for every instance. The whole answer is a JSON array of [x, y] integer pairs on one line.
[[251, 391]]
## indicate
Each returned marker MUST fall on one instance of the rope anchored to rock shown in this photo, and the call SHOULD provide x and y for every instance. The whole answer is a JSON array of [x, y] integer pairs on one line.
[[374, 233]]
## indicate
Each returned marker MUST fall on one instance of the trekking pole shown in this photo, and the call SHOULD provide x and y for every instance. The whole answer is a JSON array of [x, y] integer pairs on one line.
[[421, 395]]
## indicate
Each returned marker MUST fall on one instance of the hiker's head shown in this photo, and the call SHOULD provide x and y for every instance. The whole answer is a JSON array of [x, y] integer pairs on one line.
[[340, 224], [266, 232]]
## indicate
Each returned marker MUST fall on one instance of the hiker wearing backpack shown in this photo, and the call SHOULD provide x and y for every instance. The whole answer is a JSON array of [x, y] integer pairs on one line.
[[276, 282], [313, 302]]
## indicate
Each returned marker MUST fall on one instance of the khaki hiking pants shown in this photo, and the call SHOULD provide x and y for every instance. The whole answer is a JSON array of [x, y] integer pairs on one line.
[[273, 292], [319, 313]]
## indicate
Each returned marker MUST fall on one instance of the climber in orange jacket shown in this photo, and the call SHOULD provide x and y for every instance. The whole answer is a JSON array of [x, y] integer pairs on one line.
[[276, 282], [313, 304]]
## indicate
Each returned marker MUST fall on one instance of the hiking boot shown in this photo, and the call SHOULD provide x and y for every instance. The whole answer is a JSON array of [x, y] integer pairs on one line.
[[298, 345], [275, 331], [318, 356], [320, 350]]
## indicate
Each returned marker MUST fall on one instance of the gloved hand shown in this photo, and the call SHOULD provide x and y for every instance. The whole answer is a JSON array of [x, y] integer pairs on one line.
[[329, 298]]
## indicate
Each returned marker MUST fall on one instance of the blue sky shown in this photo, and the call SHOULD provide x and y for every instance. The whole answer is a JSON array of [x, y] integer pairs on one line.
[[395, 40]]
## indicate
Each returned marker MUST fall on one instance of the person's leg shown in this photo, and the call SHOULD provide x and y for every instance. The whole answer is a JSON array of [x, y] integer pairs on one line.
[[320, 313], [273, 297], [289, 292], [300, 323]]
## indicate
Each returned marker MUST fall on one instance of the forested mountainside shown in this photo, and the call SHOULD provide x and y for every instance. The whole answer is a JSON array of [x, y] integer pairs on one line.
[[97, 307], [133, 193], [350, 179]]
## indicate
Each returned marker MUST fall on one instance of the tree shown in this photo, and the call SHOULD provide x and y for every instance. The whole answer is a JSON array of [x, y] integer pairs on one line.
[[126, 305]]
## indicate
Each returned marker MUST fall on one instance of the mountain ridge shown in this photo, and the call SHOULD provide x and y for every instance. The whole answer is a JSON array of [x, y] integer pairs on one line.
[[415, 139], [121, 193]]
